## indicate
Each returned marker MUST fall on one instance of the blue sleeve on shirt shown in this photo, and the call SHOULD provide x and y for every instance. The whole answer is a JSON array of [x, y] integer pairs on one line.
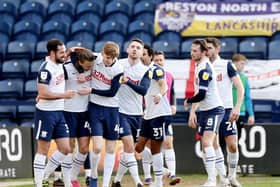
[[158, 73], [44, 76], [231, 70], [204, 76], [65, 72], [143, 87], [112, 91], [248, 100]]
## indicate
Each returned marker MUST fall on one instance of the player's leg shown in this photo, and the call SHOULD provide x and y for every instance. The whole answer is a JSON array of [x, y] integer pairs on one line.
[[169, 156], [87, 168], [58, 181], [147, 161]]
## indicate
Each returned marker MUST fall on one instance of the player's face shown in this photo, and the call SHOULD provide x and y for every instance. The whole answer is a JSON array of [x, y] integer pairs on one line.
[[212, 52], [60, 54], [146, 58], [86, 65], [159, 59], [196, 53], [135, 50], [107, 60], [240, 65]]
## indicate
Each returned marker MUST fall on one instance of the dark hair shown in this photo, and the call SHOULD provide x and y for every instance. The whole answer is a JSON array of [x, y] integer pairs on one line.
[[149, 49], [159, 53], [52, 45], [215, 41], [85, 55], [136, 40], [202, 43]]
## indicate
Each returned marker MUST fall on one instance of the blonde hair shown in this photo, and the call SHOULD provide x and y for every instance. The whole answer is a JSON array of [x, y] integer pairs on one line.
[[111, 49], [238, 57]]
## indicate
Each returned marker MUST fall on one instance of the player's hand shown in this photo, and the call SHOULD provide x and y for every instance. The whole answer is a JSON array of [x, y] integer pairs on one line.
[[234, 115], [186, 104], [157, 98], [85, 90], [173, 109], [68, 94], [192, 120], [251, 120], [81, 78], [124, 79]]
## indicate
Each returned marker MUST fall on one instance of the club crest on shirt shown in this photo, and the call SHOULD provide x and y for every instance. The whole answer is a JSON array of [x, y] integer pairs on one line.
[[205, 76], [43, 75], [159, 72]]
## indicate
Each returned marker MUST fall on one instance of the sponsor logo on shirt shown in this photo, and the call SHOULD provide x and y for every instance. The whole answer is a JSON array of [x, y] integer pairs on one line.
[[59, 79], [99, 76]]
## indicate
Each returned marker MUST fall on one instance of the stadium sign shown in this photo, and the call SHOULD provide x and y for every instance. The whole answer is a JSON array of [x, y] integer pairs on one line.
[[258, 150], [16, 152], [218, 18]]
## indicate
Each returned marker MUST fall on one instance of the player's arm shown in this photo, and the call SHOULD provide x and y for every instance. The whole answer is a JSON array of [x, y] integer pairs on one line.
[[249, 104], [192, 122], [159, 76], [116, 83], [232, 73], [144, 85], [44, 77], [172, 98], [204, 79]]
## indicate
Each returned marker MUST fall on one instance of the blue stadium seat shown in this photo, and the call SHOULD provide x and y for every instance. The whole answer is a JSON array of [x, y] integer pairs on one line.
[[16, 3], [119, 6], [6, 122], [16, 68], [119, 17], [171, 49], [32, 11], [140, 26], [112, 26], [61, 10], [11, 88], [123, 50], [147, 38], [5, 28], [273, 50], [84, 31], [45, 3], [186, 48], [88, 45], [27, 123], [18, 49], [145, 16], [8, 11], [41, 50], [34, 68], [55, 29], [229, 46], [275, 36], [3, 49], [113, 36], [26, 31], [99, 46], [254, 47], [89, 6], [169, 36], [26, 110], [144, 6]]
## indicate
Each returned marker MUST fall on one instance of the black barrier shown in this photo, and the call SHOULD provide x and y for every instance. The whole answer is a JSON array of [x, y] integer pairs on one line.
[[16, 152], [258, 147]]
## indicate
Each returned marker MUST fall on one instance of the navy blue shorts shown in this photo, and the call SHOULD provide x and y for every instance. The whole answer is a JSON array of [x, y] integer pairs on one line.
[[210, 120], [50, 125], [130, 125], [104, 121], [155, 128], [227, 128], [78, 124]]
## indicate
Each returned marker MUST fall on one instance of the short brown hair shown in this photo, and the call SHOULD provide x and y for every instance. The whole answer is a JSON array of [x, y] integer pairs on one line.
[[136, 40], [202, 43], [111, 49], [85, 55], [215, 41], [238, 57]]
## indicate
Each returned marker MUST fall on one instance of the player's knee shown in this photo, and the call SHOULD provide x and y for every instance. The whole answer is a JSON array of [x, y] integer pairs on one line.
[[83, 149], [139, 148], [232, 147]]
